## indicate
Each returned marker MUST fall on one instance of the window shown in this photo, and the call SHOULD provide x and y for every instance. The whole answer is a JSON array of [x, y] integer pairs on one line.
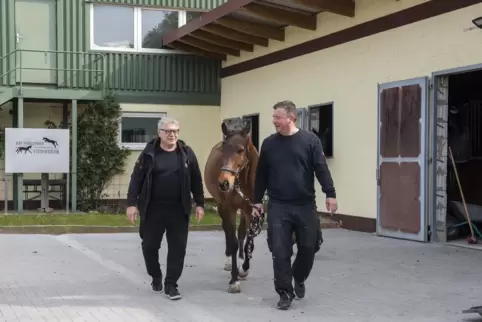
[[136, 129], [321, 123], [134, 29]]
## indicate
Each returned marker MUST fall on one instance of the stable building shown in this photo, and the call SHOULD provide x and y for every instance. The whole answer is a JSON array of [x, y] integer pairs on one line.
[[388, 86]]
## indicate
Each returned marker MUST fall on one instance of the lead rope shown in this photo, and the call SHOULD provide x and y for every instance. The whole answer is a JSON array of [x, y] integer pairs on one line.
[[256, 224]]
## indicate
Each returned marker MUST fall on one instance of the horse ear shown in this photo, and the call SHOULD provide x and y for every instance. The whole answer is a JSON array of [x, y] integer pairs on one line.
[[314, 131], [247, 128], [224, 128]]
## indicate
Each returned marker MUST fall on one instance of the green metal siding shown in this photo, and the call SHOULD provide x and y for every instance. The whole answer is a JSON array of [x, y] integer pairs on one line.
[[125, 72], [192, 4], [7, 40], [165, 73], [129, 71]]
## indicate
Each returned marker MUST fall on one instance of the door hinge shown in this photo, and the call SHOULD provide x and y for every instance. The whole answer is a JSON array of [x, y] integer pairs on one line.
[[378, 177]]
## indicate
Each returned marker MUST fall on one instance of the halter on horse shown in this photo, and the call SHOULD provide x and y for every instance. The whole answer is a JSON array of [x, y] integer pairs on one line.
[[229, 176]]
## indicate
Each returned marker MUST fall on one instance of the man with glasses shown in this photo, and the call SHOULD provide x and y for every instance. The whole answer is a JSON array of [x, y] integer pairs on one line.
[[164, 176]]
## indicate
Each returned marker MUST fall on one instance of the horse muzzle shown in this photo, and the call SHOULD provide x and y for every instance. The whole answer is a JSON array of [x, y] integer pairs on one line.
[[224, 186]]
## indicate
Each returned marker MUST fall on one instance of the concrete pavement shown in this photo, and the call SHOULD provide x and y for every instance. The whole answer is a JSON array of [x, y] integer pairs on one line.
[[357, 277]]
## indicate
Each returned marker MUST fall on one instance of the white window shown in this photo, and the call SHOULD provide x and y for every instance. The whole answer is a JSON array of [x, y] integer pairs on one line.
[[136, 129], [134, 29]]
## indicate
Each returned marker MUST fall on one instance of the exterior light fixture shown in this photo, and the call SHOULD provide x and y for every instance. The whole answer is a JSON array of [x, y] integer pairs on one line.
[[478, 22]]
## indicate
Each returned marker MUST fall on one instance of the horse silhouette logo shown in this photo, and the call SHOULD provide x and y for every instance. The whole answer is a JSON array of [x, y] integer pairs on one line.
[[24, 149], [53, 142]]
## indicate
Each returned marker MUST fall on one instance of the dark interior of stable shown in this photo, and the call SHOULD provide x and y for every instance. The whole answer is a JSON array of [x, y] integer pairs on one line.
[[465, 142]]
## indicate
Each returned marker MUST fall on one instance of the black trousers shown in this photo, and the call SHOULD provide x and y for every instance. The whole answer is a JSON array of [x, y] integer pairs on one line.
[[175, 223], [283, 220]]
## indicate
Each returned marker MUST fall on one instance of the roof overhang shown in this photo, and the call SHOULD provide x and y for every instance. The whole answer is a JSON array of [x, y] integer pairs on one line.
[[238, 25]]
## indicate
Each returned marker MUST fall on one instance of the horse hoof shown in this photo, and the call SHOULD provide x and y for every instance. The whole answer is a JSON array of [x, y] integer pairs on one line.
[[234, 288], [243, 274]]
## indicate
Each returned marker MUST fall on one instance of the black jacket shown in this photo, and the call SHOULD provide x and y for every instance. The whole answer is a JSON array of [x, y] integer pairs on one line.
[[140, 185]]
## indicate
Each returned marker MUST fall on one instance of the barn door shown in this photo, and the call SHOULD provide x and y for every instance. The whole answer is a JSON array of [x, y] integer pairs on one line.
[[401, 172]]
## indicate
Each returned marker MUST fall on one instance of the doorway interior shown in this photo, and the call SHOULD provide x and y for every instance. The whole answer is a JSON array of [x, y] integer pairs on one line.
[[458, 135]]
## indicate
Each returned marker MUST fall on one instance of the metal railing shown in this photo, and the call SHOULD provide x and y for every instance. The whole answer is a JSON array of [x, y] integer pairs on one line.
[[89, 74]]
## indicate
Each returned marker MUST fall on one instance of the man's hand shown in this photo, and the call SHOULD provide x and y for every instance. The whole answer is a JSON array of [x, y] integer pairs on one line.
[[199, 214], [258, 209], [131, 213], [331, 205]]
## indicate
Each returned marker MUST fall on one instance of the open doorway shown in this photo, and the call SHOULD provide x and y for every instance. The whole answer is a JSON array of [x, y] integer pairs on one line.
[[254, 120], [464, 141]]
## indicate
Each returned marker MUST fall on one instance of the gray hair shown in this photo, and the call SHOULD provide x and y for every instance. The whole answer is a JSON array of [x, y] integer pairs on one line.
[[166, 120]]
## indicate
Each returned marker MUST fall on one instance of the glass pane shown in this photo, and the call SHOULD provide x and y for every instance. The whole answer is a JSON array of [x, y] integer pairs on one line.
[[113, 26], [314, 119], [190, 15], [155, 23], [138, 129], [299, 119]]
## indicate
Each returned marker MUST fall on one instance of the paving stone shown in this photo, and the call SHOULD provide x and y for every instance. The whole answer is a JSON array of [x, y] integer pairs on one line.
[[356, 277]]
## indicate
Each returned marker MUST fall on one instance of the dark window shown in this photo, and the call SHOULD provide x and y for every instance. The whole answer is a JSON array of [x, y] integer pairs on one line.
[[321, 123]]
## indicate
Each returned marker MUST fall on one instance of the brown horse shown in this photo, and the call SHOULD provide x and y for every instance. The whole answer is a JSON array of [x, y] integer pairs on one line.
[[229, 177]]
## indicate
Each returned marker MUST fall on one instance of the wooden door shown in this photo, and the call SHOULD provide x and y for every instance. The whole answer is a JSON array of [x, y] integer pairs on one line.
[[402, 152]]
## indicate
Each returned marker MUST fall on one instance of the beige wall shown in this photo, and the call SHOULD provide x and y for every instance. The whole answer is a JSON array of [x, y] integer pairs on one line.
[[348, 75], [197, 130], [196, 122]]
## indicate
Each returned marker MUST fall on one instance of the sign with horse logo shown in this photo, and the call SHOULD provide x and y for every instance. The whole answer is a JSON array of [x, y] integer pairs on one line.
[[37, 150]]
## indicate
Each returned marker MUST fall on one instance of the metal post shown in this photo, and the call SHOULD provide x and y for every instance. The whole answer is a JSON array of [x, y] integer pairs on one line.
[[74, 156], [67, 196], [6, 194], [20, 175], [44, 191]]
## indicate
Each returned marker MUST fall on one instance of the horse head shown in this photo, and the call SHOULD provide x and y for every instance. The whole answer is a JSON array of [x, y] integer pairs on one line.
[[235, 155]]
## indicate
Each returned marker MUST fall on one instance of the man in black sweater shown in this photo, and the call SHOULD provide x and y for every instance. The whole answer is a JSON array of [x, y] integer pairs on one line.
[[285, 169], [165, 174]]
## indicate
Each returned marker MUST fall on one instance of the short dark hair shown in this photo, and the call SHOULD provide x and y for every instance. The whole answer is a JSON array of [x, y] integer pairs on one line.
[[288, 106]]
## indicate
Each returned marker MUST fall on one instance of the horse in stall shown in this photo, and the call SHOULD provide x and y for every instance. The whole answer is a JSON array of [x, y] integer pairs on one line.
[[229, 177]]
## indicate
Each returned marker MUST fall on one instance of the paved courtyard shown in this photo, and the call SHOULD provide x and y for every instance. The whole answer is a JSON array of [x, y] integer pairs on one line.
[[357, 277]]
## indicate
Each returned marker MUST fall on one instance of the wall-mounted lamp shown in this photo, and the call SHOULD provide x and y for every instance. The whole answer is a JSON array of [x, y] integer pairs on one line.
[[478, 22]]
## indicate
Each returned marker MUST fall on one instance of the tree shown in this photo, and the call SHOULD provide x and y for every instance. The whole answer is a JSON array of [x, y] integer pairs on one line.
[[153, 38]]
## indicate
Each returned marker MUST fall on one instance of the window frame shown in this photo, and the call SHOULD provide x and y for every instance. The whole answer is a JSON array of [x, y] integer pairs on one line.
[[136, 146], [137, 30], [332, 122]]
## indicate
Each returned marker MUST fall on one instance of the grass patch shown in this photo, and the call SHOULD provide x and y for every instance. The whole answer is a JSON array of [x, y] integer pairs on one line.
[[109, 220]]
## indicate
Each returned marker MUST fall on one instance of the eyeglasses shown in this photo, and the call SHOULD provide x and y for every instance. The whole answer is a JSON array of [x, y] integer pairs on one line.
[[174, 132]]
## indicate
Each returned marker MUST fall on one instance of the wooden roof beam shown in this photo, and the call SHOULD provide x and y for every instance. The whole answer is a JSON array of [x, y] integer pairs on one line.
[[221, 41], [189, 40], [191, 49], [253, 28], [235, 35], [281, 15], [341, 7]]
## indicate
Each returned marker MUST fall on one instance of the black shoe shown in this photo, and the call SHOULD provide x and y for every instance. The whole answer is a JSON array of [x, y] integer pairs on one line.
[[285, 301], [156, 284], [172, 292], [300, 290]]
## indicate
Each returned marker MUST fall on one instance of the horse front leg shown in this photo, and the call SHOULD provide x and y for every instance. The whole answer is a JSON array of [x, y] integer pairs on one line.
[[244, 270], [229, 227]]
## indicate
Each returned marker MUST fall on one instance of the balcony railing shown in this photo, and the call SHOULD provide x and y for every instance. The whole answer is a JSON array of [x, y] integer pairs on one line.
[[66, 69]]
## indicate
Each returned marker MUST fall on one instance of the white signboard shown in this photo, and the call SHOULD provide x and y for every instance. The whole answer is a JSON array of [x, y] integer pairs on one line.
[[37, 150]]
